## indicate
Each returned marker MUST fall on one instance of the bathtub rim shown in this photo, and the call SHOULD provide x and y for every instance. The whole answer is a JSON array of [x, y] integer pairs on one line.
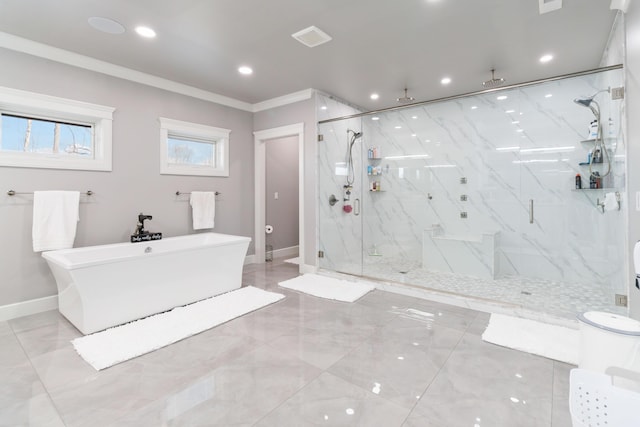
[[58, 258]]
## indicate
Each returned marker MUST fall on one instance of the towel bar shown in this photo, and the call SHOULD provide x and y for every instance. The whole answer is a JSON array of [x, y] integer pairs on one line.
[[13, 193], [178, 193]]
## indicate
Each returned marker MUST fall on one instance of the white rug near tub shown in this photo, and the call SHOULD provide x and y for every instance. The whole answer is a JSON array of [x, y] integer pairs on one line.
[[328, 287], [124, 342], [543, 339]]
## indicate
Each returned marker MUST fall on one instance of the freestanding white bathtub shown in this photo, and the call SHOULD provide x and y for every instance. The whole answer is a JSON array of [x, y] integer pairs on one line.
[[108, 285]]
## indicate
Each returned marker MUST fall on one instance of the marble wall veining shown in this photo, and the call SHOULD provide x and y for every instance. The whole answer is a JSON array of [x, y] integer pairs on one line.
[[471, 166]]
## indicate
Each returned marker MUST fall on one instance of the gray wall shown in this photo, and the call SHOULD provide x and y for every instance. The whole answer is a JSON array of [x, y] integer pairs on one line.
[[300, 112], [632, 67], [282, 178], [135, 184]]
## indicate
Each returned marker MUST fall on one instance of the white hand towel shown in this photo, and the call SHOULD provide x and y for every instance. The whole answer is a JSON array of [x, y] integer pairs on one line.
[[203, 204], [610, 202], [55, 218]]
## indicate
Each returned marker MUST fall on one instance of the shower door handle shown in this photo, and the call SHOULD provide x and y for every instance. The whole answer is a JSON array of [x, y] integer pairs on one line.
[[356, 207], [530, 211]]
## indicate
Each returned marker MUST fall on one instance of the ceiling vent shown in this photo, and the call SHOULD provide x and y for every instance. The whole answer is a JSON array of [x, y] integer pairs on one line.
[[549, 5], [311, 37]]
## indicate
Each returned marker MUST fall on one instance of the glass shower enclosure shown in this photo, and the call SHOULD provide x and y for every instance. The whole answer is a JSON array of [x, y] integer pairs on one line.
[[510, 195]]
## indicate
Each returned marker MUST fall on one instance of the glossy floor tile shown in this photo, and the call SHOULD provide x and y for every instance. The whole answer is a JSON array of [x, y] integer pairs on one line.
[[385, 360]]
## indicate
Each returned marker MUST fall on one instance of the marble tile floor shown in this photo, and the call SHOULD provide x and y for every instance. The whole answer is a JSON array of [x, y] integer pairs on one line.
[[385, 360]]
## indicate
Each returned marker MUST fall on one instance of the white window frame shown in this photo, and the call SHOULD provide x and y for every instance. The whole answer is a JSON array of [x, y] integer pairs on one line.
[[36, 105], [200, 133]]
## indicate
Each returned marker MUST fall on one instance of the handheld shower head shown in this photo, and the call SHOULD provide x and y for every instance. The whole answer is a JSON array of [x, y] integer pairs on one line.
[[585, 102]]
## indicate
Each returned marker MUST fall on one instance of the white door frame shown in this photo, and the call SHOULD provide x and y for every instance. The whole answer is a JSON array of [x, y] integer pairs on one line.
[[260, 138]]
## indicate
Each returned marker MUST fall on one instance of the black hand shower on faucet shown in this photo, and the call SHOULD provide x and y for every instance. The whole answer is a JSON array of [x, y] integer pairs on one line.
[[141, 218]]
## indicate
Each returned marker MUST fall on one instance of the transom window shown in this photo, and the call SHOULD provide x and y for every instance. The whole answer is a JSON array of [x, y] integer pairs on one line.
[[193, 149], [34, 135], [41, 131]]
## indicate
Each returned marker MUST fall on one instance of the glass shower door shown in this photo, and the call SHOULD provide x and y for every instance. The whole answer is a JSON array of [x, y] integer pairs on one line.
[[340, 194]]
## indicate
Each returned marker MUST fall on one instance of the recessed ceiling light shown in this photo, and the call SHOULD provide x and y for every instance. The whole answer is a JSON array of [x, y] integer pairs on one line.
[[374, 96], [474, 107], [501, 97], [510, 111], [245, 70], [546, 58], [106, 25], [445, 81], [549, 95], [414, 135], [398, 127], [145, 32], [375, 118], [515, 122], [519, 130], [414, 117], [324, 107]]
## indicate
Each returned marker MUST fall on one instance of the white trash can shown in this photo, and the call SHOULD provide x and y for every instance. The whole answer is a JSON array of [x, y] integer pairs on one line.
[[608, 340]]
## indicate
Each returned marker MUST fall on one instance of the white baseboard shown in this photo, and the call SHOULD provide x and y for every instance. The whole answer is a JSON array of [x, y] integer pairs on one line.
[[26, 308], [286, 252], [277, 253]]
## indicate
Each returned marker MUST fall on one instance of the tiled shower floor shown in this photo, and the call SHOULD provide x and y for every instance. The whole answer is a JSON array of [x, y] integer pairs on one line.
[[557, 299]]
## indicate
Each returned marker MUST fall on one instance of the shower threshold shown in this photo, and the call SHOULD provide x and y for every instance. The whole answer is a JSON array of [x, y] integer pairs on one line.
[[551, 301]]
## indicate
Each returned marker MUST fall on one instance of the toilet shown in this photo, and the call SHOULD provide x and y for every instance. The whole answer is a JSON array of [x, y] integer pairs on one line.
[[608, 339]]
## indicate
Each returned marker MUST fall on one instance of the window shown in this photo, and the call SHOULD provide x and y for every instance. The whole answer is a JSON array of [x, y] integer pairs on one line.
[[42, 131], [193, 149]]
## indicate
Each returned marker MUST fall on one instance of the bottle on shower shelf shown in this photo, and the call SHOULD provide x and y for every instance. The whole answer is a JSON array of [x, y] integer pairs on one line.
[[578, 182]]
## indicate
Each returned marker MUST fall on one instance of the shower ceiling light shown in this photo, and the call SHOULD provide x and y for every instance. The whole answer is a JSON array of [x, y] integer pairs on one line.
[[474, 107], [501, 97], [445, 81], [374, 118], [245, 70], [549, 95], [546, 58], [374, 96]]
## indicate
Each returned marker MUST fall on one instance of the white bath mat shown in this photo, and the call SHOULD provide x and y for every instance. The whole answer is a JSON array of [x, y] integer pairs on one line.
[[543, 339], [115, 345], [295, 260], [328, 287]]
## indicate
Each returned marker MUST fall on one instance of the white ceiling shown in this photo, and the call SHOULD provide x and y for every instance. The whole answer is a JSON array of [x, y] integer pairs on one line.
[[378, 45]]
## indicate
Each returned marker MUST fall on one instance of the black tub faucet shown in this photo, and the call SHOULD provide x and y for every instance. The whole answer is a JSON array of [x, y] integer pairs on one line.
[[140, 227]]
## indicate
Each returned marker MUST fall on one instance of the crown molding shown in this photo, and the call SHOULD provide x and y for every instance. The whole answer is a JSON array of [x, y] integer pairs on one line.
[[19, 44], [291, 98]]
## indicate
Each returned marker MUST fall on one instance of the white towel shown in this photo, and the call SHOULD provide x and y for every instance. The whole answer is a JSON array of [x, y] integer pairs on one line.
[[610, 202], [203, 204], [55, 217]]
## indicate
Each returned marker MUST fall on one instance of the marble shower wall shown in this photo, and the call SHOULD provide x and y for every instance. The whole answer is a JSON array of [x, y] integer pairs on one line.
[[509, 151]]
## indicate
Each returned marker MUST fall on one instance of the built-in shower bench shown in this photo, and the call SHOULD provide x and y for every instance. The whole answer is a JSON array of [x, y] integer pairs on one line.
[[473, 254]]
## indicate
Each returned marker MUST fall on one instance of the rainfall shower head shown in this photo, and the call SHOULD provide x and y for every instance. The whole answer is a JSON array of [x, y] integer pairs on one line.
[[406, 98], [493, 82]]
